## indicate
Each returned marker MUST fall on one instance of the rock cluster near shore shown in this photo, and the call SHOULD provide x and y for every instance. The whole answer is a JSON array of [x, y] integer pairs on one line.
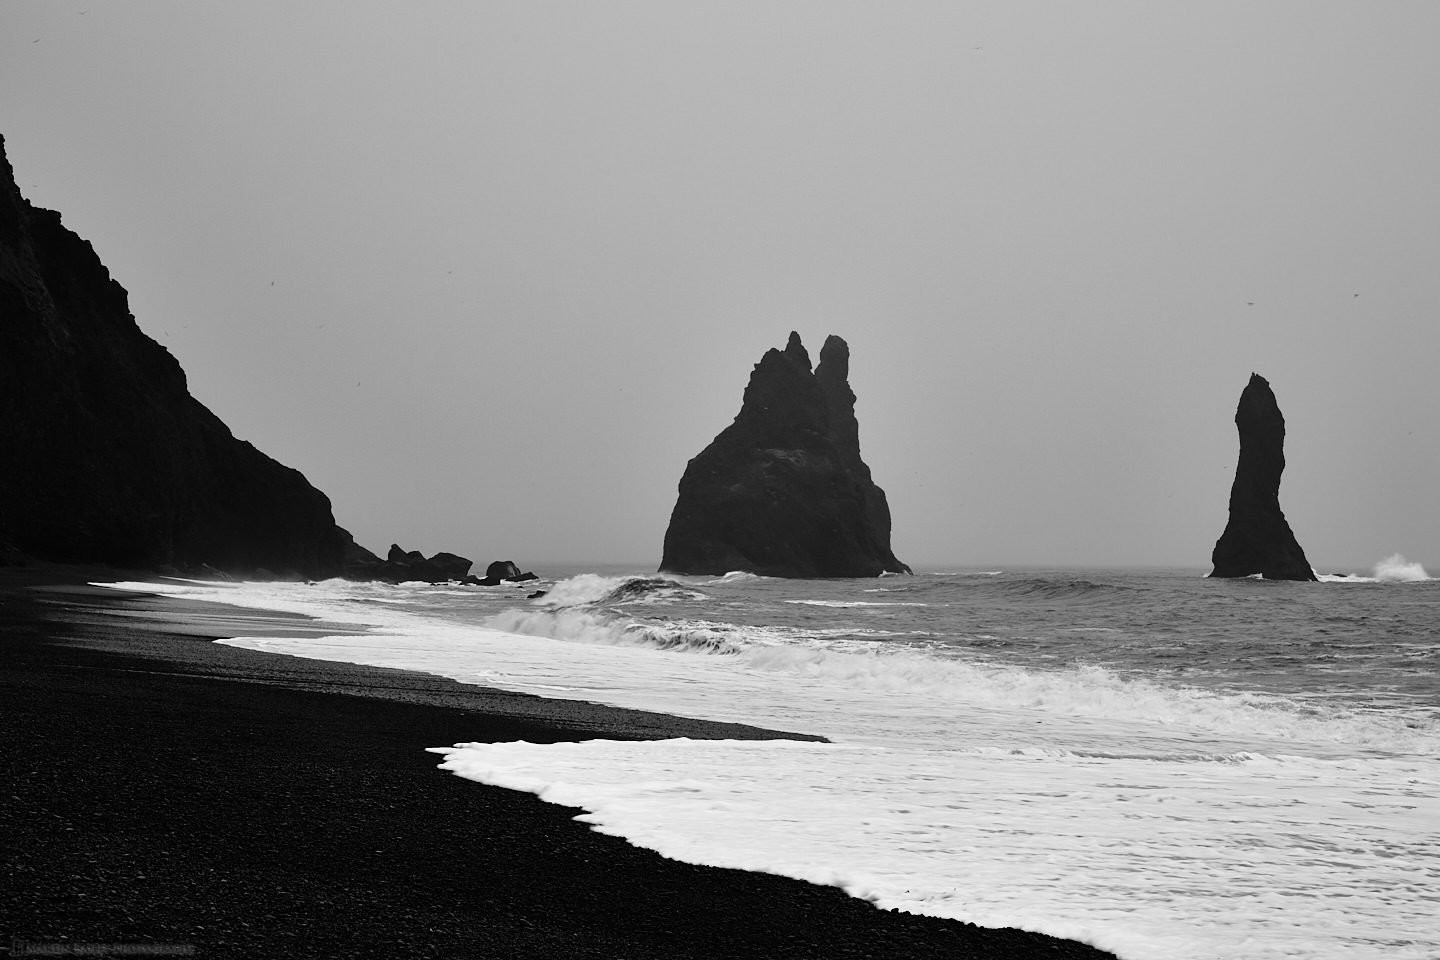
[[782, 491], [407, 566], [400, 566], [1257, 538]]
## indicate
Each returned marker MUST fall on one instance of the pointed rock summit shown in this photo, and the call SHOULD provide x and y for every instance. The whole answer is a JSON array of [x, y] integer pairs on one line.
[[782, 491], [104, 454], [1258, 539]]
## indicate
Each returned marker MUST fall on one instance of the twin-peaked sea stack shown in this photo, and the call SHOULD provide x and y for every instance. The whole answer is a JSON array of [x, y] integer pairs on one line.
[[782, 491], [1257, 539]]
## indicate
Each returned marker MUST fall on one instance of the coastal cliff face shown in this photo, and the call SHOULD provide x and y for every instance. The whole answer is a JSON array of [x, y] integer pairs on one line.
[[1257, 539], [104, 455], [782, 491]]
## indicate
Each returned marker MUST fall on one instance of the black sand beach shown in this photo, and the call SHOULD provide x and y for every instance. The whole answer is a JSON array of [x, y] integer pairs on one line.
[[163, 793]]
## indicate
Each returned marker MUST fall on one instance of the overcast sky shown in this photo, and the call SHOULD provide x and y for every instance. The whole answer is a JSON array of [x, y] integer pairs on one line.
[[489, 273]]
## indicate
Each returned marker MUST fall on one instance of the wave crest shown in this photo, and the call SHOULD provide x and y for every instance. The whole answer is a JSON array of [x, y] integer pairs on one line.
[[737, 575], [591, 588], [581, 625], [1396, 569]]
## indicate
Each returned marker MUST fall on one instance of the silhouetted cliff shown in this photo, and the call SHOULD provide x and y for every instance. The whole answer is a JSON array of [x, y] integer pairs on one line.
[[1257, 539], [104, 455], [782, 491]]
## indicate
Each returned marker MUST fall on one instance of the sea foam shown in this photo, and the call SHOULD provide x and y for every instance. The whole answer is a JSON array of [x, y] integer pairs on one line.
[[1249, 857]]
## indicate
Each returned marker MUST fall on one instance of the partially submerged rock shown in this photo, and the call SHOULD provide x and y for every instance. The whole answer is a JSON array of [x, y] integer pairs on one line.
[[1257, 538], [504, 571], [782, 491]]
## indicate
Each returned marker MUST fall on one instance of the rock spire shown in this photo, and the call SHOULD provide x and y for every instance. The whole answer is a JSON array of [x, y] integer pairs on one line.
[[1257, 539]]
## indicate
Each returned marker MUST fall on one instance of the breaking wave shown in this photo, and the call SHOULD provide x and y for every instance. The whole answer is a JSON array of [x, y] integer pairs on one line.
[[590, 588], [1393, 569], [1396, 569], [596, 626], [737, 575]]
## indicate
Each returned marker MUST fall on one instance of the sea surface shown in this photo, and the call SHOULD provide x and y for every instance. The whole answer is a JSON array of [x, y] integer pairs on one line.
[[1160, 764]]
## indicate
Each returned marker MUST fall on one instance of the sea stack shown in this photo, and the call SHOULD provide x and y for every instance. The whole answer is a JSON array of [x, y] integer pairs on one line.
[[104, 454], [782, 491], [1257, 539]]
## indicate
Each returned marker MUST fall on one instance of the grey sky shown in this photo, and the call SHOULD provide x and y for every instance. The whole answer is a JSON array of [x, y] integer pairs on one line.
[[489, 274]]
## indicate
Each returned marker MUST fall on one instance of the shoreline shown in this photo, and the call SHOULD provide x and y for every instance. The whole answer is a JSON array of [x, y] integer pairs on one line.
[[169, 790]]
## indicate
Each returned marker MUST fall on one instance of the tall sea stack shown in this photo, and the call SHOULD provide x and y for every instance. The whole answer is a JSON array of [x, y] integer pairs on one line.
[[104, 455], [782, 491], [1258, 539]]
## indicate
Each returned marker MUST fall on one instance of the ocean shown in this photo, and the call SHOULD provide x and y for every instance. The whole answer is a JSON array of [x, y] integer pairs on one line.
[[1156, 763]]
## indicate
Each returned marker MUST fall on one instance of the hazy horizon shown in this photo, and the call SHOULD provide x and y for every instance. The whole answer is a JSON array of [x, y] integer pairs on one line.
[[490, 275]]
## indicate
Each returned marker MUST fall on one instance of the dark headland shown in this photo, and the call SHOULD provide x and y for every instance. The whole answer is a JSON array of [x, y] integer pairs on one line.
[[782, 490], [107, 456], [109, 459], [166, 794], [1257, 538]]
